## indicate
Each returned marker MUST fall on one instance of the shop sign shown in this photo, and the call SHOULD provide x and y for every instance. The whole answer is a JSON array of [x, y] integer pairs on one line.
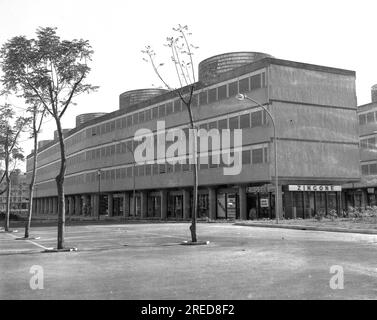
[[261, 189], [306, 187], [264, 203]]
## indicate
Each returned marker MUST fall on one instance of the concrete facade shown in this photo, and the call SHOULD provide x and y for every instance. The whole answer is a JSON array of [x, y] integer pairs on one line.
[[315, 113]]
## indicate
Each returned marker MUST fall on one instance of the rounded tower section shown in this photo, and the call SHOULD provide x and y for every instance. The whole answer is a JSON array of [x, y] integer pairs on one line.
[[211, 68], [132, 97]]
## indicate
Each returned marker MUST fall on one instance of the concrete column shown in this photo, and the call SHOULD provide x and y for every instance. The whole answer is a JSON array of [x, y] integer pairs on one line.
[[212, 203], [46, 206], [95, 205], [110, 204], [78, 206], [55, 205], [144, 204], [85, 204], [164, 204], [126, 204], [186, 204], [242, 202], [50, 207], [71, 206], [36, 201]]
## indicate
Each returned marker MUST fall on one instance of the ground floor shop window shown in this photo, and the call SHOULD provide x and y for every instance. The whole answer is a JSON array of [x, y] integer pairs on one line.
[[154, 206], [175, 206], [203, 205], [227, 207]]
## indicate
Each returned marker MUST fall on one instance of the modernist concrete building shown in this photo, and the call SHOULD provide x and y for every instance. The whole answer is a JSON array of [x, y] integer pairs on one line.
[[19, 194], [364, 192], [315, 113]]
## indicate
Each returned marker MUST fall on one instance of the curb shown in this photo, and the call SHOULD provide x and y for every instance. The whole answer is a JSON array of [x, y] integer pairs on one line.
[[307, 228]]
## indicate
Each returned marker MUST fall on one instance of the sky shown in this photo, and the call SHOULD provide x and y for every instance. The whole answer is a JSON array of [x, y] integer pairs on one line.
[[332, 33]]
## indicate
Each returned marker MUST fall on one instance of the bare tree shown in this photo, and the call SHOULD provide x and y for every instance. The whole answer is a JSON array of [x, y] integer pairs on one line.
[[53, 70], [181, 53]]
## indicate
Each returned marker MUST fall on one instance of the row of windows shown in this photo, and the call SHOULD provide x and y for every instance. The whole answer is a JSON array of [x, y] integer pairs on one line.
[[249, 120], [255, 156], [369, 143], [369, 169], [205, 97], [366, 118]]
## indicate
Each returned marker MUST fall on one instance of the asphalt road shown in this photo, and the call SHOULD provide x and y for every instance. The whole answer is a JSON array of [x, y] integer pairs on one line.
[[146, 261]]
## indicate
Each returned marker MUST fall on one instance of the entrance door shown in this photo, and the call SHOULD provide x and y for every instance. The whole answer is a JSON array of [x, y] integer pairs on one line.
[[252, 206]]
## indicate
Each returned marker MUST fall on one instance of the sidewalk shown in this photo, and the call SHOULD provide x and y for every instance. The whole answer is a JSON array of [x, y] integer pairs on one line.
[[304, 226]]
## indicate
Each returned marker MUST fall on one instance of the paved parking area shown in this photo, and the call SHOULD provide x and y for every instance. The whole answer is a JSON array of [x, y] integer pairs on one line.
[[146, 261]]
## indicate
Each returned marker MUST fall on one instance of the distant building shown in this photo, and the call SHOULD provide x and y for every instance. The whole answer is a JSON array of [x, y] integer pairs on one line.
[[364, 192], [19, 197], [318, 149]]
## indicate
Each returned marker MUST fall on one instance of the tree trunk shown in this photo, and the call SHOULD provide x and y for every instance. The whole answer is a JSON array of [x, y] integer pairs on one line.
[[32, 182], [195, 191], [7, 210], [60, 186]]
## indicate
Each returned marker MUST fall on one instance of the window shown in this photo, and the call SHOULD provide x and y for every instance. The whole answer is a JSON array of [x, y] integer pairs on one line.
[[135, 118], [244, 85], [212, 95], [203, 98], [372, 143], [155, 113], [256, 119], [169, 108], [245, 121], [124, 122], [233, 123], [370, 117], [155, 169], [246, 159], [364, 144], [221, 92], [203, 126], [255, 81], [161, 111], [148, 115], [148, 170], [141, 171], [233, 89], [118, 123], [257, 156], [141, 116], [364, 169], [129, 121], [94, 131], [373, 168], [223, 124], [212, 125], [177, 106], [129, 172], [162, 168]]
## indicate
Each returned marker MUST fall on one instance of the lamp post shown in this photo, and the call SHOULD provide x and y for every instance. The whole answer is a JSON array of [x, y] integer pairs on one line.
[[99, 171], [241, 97]]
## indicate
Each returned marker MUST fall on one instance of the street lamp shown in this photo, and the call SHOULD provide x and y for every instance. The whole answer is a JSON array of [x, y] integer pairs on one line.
[[99, 171], [241, 97]]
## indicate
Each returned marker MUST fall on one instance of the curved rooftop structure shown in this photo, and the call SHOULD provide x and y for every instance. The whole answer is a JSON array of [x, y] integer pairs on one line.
[[85, 117], [213, 67], [132, 97]]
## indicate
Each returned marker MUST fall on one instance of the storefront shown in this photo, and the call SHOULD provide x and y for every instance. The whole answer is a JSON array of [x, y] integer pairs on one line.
[[227, 204], [260, 202], [305, 201]]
